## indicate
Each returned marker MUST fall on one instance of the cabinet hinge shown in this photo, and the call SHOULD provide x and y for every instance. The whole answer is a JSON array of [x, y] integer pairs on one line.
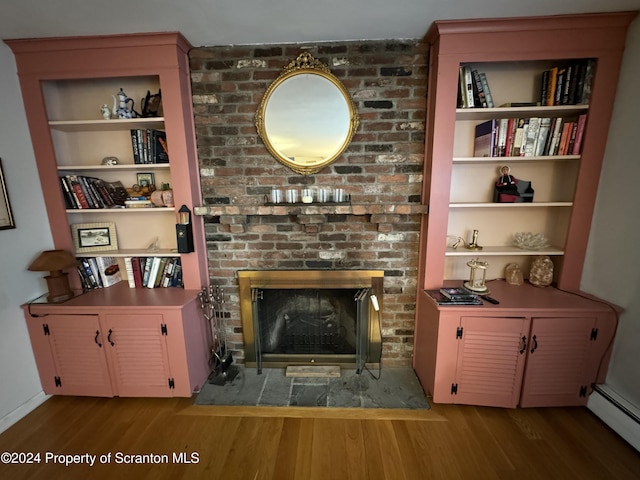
[[58, 382], [163, 328], [583, 391], [454, 389], [594, 333], [459, 332], [172, 383], [45, 329]]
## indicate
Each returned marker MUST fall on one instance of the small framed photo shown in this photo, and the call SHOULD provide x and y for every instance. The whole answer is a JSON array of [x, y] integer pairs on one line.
[[146, 179], [94, 237], [6, 218]]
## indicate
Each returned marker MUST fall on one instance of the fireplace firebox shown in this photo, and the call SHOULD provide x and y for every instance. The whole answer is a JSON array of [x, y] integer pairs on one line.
[[311, 317]]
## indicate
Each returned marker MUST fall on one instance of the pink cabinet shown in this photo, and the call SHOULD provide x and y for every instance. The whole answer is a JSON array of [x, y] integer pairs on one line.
[[70, 354], [156, 348], [538, 347]]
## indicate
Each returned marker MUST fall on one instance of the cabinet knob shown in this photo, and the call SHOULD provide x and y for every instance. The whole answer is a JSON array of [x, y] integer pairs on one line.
[[109, 338], [96, 338], [535, 344]]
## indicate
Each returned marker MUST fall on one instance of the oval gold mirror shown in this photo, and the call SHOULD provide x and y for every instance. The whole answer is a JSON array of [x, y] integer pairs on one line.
[[306, 118]]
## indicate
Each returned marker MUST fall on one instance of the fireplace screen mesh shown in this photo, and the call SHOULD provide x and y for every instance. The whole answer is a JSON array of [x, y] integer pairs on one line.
[[307, 321]]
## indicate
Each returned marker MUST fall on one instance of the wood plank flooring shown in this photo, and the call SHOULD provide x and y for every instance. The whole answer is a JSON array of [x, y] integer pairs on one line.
[[250, 443]]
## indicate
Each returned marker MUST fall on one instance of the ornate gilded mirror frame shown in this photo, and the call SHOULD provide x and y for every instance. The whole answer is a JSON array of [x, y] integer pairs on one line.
[[301, 106]]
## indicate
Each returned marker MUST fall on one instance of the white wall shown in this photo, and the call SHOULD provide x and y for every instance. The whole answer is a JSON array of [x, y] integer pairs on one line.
[[612, 266], [21, 389]]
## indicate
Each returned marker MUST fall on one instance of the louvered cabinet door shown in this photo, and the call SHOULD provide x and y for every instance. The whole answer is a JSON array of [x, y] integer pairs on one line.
[[560, 370], [137, 351], [491, 359], [79, 360]]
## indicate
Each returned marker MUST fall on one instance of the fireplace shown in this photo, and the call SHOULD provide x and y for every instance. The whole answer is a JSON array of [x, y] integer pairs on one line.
[[311, 317]]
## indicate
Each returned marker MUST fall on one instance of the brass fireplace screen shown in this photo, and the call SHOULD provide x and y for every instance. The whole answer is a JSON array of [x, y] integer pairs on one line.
[[311, 317]]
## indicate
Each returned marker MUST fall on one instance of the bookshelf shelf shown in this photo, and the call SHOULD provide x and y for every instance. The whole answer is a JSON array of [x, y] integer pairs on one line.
[[501, 250], [105, 125], [515, 112], [122, 211], [500, 160], [114, 168], [520, 205]]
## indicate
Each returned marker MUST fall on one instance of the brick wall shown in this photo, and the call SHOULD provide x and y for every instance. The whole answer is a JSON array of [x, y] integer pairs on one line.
[[381, 170]]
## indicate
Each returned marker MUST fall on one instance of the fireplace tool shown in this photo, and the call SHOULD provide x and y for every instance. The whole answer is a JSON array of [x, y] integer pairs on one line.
[[220, 359]]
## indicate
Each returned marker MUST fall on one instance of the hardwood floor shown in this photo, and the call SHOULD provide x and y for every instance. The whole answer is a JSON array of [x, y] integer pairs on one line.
[[446, 442]]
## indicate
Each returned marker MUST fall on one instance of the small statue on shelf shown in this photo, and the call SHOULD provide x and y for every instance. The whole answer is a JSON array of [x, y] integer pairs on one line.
[[105, 112], [506, 186]]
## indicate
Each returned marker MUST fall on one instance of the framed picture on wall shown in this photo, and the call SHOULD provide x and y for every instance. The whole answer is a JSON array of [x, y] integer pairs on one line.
[[6, 217]]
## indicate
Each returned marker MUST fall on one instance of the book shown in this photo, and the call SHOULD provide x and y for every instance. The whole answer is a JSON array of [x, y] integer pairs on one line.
[[543, 133], [555, 136], [458, 293], [582, 122], [478, 90], [487, 90], [501, 141], [135, 147], [565, 136], [86, 272], [544, 85], [511, 135], [531, 137], [552, 80], [462, 89], [109, 270], [78, 191], [128, 267], [518, 136], [483, 144], [117, 192], [560, 79], [160, 149], [137, 272], [468, 82], [440, 299], [160, 273], [153, 272], [586, 82]]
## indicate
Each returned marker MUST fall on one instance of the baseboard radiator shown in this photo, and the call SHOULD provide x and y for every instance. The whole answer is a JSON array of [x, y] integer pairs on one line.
[[618, 413]]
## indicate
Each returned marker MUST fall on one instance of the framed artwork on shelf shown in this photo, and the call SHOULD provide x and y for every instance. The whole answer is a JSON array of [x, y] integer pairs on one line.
[[146, 179], [94, 237], [6, 218]]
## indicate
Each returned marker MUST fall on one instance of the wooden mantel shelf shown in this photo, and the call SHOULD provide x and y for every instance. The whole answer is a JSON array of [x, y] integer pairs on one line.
[[311, 209]]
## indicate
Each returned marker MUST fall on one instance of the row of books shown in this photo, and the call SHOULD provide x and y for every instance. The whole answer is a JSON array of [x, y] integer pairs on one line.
[[149, 146], [153, 272], [98, 272], [90, 192], [529, 137], [568, 84], [473, 91]]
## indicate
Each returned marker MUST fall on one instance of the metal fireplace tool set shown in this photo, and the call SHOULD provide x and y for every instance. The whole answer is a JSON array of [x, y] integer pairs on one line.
[[220, 360]]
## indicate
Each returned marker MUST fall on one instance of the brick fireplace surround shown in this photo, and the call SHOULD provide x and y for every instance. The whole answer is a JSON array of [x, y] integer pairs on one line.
[[381, 170]]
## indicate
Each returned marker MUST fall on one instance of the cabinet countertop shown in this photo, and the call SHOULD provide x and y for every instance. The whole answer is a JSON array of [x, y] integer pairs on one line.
[[526, 298], [119, 297]]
